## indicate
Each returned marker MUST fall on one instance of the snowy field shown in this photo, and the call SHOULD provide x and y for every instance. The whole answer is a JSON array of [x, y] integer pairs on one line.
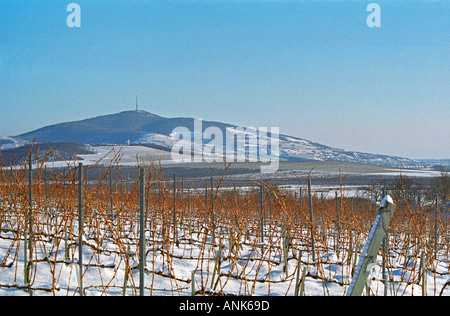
[[232, 251], [125, 155]]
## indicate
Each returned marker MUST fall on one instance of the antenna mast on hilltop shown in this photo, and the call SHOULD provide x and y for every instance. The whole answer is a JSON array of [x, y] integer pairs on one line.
[[137, 109]]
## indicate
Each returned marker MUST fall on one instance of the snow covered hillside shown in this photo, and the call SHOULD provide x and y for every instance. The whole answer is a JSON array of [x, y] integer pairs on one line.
[[140, 127]]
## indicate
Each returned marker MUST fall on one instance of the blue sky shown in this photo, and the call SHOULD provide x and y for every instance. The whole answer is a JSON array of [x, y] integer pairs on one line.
[[313, 68]]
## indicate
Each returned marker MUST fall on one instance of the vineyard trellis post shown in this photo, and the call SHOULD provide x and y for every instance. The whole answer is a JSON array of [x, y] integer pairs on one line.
[[111, 204], [338, 227], [385, 254], [213, 226], [141, 231], [262, 215], [174, 213], [311, 218], [66, 246], [384, 271], [80, 226], [30, 219], [297, 278], [127, 268], [193, 283], [373, 243], [423, 273], [436, 223]]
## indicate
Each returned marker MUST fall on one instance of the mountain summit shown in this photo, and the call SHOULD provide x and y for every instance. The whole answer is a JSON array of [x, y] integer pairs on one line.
[[113, 128]]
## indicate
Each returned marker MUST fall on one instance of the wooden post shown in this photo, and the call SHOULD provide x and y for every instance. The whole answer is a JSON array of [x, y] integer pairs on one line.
[[174, 213], [423, 273], [30, 217], [111, 196], [66, 248], [80, 226], [311, 218], [384, 272], [66, 245], [302, 286], [285, 242], [25, 257], [370, 250], [297, 278], [193, 283], [338, 226], [141, 231], [216, 267], [385, 254], [262, 213], [436, 223], [212, 214], [127, 268]]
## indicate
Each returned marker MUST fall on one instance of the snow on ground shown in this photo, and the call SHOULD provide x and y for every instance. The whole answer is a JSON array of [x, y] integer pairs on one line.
[[113, 155], [11, 142], [250, 269], [130, 155]]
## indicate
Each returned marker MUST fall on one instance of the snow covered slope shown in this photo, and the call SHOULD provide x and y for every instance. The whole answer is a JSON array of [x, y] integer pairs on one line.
[[11, 142], [141, 127]]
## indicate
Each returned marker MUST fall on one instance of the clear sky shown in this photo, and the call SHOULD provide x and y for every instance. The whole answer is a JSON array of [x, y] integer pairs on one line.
[[313, 68]]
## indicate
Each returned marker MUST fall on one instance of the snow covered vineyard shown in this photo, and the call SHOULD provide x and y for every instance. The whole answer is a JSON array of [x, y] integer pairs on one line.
[[259, 241]]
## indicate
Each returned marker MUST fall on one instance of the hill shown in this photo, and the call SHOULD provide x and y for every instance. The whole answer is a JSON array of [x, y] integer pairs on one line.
[[141, 127]]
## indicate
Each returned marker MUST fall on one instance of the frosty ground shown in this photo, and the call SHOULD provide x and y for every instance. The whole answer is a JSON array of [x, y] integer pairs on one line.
[[246, 266]]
